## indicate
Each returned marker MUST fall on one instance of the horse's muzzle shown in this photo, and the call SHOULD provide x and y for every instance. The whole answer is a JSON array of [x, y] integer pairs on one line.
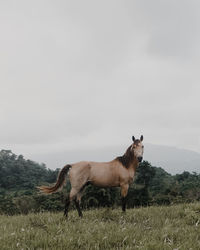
[[140, 159]]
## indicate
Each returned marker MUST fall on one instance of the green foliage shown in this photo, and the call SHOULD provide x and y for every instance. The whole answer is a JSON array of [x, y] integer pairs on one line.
[[16, 173], [18, 181], [188, 186], [7, 206], [53, 202], [100, 197], [139, 194]]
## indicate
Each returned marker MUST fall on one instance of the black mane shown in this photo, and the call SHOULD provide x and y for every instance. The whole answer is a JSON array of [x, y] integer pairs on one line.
[[127, 158]]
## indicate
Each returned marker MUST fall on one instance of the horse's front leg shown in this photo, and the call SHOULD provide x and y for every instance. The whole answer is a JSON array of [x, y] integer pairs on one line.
[[124, 191]]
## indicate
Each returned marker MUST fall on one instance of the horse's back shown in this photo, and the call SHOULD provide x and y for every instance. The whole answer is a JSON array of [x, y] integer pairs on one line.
[[105, 174]]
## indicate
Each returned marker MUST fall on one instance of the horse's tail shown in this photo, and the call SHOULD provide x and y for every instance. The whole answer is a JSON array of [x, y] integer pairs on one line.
[[60, 181]]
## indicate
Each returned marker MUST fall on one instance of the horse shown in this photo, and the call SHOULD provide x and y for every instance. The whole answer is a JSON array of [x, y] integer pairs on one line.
[[116, 173]]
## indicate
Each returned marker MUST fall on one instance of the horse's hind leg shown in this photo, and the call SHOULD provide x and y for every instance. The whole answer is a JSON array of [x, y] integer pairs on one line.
[[67, 203], [78, 182], [77, 202], [72, 196]]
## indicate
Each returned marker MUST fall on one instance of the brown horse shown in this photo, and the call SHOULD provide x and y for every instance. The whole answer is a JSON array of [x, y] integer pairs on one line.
[[116, 173]]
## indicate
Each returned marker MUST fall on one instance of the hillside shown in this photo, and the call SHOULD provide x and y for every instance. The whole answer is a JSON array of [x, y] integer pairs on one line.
[[20, 177], [156, 228], [17, 173]]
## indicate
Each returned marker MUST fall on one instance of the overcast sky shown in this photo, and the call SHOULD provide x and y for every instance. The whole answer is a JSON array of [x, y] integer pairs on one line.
[[90, 74]]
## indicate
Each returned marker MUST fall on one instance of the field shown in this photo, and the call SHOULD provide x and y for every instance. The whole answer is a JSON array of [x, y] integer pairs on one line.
[[173, 227]]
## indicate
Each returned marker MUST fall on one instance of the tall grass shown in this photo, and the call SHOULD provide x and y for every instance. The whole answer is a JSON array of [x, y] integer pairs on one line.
[[172, 227]]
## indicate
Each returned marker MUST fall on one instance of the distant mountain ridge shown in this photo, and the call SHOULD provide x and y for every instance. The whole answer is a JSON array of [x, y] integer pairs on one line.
[[171, 159]]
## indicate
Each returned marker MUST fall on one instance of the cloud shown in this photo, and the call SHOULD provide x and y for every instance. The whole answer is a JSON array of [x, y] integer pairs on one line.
[[89, 74], [173, 28]]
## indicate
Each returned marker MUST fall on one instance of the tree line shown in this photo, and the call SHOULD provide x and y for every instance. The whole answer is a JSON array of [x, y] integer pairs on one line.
[[152, 185]]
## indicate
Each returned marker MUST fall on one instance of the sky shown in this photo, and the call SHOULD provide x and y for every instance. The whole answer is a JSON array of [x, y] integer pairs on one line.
[[90, 74]]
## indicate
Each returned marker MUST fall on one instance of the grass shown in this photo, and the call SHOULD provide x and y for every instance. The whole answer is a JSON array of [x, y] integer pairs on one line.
[[173, 227]]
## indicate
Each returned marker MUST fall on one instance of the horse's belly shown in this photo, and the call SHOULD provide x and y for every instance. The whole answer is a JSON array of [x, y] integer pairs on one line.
[[103, 177], [105, 183]]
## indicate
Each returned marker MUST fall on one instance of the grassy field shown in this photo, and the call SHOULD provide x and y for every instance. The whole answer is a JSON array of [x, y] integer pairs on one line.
[[173, 227]]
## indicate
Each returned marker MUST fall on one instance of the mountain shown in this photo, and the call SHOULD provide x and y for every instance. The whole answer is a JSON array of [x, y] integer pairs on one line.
[[171, 159]]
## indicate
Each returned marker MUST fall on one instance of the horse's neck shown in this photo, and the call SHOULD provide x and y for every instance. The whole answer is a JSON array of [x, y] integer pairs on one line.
[[133, 166]]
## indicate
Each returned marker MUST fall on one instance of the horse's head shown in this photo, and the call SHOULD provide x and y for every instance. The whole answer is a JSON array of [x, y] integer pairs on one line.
[[138, 148]]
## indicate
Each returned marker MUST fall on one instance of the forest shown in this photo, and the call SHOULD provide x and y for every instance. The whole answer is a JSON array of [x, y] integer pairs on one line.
[[20, 177]]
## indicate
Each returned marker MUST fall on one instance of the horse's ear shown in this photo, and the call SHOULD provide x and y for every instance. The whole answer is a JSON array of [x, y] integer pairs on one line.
[[133, 138], [141, 138]]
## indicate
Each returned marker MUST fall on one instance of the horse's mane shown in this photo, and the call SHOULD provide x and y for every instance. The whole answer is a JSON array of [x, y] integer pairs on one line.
[[126, 158]]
